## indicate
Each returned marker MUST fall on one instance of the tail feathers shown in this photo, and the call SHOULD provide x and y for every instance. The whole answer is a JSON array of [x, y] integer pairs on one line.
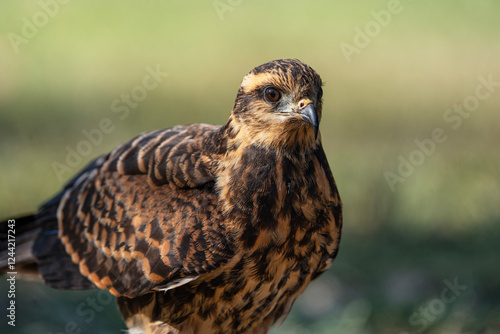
[[37, 250], [17, 226], [55, 265], [17, 237]]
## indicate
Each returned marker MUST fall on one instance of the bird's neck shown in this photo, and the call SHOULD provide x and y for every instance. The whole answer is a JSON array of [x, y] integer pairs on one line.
[[283, 138]]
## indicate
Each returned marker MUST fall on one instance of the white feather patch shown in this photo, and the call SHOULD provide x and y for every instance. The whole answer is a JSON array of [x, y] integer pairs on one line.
[[176, 283]]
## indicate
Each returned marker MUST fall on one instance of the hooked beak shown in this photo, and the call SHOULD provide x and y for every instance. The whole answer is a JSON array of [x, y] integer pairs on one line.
[[310, 115]]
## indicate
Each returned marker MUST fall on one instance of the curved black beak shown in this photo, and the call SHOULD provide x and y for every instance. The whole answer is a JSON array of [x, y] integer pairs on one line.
[[310, 115]]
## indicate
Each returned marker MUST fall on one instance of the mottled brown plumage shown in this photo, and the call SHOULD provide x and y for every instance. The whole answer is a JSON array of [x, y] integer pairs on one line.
[[201, 228]]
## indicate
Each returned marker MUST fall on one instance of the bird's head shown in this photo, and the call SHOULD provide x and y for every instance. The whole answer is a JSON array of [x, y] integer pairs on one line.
[[279, 106]]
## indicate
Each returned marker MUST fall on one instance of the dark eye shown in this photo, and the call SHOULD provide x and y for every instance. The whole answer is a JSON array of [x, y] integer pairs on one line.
[[272, 94]]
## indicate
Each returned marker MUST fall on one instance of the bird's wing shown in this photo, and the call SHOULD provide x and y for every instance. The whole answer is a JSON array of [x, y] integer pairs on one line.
[[146, 217]]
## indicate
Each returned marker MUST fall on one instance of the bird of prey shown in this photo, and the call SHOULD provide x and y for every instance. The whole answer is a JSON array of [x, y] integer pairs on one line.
[[201, 228]]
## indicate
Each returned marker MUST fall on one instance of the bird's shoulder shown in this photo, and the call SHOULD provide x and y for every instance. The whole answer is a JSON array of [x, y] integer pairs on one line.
[[181, 155]]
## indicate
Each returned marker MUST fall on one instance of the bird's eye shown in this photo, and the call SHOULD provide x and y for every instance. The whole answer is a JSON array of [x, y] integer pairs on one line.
[[272, 95]]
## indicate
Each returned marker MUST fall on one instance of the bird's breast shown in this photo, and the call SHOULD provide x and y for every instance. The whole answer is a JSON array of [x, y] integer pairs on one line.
[[281, 212], [281, 204], [272, 192]]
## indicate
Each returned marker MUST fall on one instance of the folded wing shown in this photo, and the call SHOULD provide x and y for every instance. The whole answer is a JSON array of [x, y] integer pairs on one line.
[[145, 217]]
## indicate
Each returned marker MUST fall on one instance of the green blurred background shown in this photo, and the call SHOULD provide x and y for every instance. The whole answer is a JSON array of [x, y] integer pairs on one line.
[[401, 247]]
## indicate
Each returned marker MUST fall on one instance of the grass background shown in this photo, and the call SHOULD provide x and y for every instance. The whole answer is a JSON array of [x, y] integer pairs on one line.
[[399, 247]]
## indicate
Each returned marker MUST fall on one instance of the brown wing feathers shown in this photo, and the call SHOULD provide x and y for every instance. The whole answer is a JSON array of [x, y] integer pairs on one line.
[[147, 215], [172, 155]]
